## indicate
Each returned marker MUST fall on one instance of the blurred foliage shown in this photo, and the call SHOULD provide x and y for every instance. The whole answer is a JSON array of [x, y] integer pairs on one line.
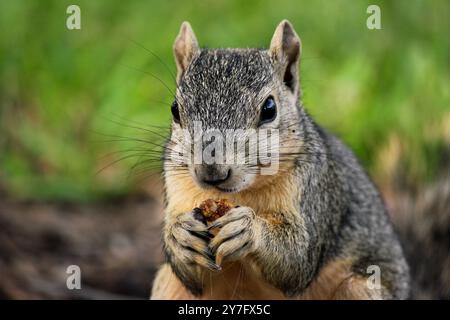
[[385, 92]]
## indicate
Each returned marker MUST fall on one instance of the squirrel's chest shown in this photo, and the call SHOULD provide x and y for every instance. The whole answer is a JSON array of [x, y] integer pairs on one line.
[[241, 281], [238, 281]]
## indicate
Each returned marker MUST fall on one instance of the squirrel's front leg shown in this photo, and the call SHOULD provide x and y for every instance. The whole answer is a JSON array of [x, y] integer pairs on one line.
[[239, 234], [278, 244], [186, 246]]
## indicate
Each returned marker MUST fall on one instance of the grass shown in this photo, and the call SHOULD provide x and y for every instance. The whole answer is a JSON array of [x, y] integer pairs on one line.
[[384, 92]]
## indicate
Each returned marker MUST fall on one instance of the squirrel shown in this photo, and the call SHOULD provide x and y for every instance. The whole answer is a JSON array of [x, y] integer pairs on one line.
[[314, 230]]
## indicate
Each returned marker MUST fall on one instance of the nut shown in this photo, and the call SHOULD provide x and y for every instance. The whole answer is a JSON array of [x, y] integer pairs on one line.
[[214, 209]]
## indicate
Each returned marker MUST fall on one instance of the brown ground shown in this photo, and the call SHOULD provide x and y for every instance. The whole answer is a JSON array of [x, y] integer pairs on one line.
[[116, 245]]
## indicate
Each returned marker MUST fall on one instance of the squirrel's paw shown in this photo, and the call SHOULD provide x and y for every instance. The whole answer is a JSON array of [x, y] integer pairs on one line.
[[187, 240], [237, 236]]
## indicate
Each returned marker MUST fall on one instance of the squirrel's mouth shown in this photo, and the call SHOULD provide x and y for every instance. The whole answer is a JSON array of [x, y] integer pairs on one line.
[[227, 190], [224, 189], [233, 182]]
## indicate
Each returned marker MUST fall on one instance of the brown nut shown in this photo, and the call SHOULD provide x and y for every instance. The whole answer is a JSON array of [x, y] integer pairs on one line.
[[214, 209]]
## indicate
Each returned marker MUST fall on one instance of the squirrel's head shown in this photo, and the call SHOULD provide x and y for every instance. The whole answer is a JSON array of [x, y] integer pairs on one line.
[[240, 94]]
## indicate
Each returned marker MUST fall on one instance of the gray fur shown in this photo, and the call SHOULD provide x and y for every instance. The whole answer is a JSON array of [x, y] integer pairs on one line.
[[221, 87]]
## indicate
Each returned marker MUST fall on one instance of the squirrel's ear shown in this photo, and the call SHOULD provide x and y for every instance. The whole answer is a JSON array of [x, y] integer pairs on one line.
[[285, 50], [184, 48]]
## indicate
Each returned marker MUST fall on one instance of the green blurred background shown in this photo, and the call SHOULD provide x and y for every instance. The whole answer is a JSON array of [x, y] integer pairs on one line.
[[66, 94]]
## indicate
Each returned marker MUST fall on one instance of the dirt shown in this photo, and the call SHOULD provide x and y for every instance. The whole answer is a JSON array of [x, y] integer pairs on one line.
[[116, 245]]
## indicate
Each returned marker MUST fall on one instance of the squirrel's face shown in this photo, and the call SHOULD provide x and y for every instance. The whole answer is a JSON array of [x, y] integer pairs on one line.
[[235, 110]]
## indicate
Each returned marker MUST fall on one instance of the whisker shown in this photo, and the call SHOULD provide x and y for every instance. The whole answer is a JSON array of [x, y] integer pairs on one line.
[[156, 56]]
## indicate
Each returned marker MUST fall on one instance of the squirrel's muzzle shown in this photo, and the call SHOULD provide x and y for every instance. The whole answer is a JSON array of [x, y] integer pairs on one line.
[[212, 175]]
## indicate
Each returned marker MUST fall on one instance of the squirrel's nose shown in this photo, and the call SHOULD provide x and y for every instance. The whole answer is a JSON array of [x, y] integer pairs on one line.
[[212, 175]]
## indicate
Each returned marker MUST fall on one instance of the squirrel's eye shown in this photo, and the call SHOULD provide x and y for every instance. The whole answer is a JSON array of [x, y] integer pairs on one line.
[[268, 111], [175, 112]]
